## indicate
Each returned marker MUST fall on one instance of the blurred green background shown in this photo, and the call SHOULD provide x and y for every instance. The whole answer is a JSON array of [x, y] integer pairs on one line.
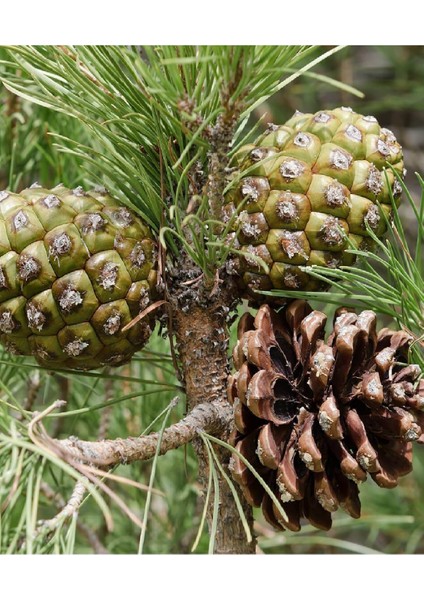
[[392, 80]]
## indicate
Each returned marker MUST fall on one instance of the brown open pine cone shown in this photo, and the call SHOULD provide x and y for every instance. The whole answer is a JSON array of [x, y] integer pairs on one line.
[[314, 418]]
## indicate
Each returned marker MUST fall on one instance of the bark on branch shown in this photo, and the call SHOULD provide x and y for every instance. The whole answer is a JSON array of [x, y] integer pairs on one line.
[[211, 417], [68, 509], [57, 499]]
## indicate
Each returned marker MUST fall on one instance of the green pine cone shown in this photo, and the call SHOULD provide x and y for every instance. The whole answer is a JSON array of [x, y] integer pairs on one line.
[[312, 187], [75, 268]]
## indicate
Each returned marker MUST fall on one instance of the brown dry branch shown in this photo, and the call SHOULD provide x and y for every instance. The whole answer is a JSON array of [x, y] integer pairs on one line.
[[41, 438], [65, 389], [34, 384], [213, 418], [92, 538]]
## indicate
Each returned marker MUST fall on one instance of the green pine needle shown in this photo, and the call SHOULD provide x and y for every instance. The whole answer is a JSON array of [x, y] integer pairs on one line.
[[146, 113]]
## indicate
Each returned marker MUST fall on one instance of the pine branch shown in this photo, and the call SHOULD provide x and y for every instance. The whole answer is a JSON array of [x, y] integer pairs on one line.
[[210, 417]]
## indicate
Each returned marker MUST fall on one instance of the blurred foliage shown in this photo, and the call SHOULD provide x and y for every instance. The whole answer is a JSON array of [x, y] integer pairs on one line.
[[390, 77]]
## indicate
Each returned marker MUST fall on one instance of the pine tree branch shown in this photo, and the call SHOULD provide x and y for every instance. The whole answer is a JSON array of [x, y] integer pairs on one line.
[[210, 417]]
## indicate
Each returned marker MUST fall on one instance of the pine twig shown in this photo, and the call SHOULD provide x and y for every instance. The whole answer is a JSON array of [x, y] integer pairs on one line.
[[91, 536], [106, 415], [221, 137], [67, 511], [33, 388], [64, 384], [41, 438]]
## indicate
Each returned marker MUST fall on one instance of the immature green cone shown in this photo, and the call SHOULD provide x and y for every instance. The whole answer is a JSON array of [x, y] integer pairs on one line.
[[75, 268], [312, 186], [316, 415]]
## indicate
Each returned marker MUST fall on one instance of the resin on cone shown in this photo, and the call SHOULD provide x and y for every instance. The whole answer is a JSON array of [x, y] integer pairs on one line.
[[317, 418], [310, 190], [75, 268]]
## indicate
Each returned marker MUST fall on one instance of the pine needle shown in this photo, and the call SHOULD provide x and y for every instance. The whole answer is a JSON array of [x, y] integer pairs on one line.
[[152, 476]]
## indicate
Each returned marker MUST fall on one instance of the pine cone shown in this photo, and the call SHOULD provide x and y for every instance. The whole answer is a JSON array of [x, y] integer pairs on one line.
[[75, 268], [308, 191], [314, 418]]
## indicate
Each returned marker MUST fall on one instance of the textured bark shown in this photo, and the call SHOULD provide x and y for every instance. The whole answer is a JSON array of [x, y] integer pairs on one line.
[[211, 417], [202, 338]]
